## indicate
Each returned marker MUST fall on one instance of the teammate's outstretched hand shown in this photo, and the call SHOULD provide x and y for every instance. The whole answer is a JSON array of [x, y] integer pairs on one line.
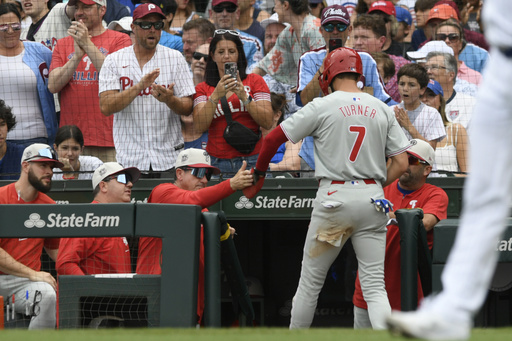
[[383, 205], [242, 178], [257, 181]]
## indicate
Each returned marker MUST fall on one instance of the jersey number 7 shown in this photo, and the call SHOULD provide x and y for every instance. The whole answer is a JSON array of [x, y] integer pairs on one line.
[[356, 148]]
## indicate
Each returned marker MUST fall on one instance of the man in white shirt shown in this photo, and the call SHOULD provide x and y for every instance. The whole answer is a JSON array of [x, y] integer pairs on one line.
[[148, 86]]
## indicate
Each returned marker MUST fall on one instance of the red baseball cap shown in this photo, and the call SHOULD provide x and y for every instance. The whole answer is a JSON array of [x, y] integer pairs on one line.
[[443, 12], [218, 2], [145, 9], [383, 6]]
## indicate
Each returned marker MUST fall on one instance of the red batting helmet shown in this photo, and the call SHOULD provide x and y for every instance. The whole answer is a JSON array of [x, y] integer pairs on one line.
[[339, 61]]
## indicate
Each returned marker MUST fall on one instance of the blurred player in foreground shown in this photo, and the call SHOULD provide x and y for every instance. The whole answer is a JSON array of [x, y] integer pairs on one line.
[[353, 134], [468, 272]]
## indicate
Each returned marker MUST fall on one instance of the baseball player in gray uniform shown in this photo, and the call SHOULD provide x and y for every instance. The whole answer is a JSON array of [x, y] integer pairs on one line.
[[487, 196], [353, 134]]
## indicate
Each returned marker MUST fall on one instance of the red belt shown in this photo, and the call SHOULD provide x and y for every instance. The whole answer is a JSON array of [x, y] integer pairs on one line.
[[366, 181]]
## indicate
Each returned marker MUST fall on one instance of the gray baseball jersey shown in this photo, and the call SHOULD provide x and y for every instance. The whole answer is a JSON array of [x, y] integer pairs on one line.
[[352, 132]]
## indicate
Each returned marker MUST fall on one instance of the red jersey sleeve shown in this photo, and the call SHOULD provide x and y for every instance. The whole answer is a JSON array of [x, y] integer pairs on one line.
[[259, 88], [205, 197], [59, 54], [71, 253], [52, 243]]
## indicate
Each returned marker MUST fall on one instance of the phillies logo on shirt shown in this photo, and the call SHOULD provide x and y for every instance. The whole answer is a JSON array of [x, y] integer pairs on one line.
[[43, 70], [413, 203], [453, 114], [126, 83]]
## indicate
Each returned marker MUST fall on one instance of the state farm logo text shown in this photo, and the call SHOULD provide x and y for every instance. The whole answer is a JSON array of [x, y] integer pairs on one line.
[[61, 221]]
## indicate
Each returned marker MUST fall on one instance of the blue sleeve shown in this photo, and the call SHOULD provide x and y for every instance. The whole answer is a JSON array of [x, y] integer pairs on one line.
[[309, 64]]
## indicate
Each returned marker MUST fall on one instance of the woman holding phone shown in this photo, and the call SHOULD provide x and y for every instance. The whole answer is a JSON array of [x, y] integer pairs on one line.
[[246, 97]]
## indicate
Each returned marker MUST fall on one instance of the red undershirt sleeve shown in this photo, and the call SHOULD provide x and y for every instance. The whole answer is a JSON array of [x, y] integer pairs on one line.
[[269, 148]]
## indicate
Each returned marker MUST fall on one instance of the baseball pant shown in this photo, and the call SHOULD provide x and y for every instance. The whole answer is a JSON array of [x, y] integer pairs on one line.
[[487, 197], [343, 211], [19, 286]]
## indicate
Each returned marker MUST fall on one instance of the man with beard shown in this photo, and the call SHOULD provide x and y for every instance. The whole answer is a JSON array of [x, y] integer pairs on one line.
[[147, 86], [20, 258], [409, 191]]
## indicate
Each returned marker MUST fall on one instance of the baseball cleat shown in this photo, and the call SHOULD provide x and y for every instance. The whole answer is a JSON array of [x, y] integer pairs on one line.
[[426, 326]]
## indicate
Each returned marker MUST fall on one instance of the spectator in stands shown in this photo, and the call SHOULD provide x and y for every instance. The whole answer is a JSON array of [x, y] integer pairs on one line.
[[404, 28], [316, 7], [185, 12], [423, 31], [24, 70], [25, 19], [69, 144], [248, 98], [20, 258], [452, 151], [450, 31], [369, 35], [168, 37], [147, 128], [420, 57], [224, 14], [124, 25], [10, 153], [287, 155], [470, 14], [193, 138], [282, 62], [76, 64], [195, 33], [409, 191], [272, 28], [387, 11], [418, 120], [193, 171], [446, 9], [47, 26], [101, 255], [115, 11], [442, 67], [385, 66], [249, 20]]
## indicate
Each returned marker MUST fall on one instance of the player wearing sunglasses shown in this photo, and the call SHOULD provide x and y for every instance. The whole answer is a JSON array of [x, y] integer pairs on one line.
[[101, 255], [408, 191], [193, 170], [20, 258], [159, 94]]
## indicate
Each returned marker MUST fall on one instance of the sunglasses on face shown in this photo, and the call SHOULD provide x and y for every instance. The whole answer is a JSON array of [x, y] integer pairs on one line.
[[330, 27], [146, 25], [220, 8], [414, 161], [451, 37], [126, 32], [201, 172], [199, 55], [232, 32], [121, 178], [15, 27]]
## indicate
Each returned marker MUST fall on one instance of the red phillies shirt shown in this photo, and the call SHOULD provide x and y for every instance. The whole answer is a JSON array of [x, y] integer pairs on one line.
[[150, 248], [25, 250], [432, 200], [79, 100], [90, 256], [217, 146]]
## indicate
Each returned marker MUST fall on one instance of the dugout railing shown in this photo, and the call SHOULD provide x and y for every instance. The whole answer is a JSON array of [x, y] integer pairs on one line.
[[175, 303]]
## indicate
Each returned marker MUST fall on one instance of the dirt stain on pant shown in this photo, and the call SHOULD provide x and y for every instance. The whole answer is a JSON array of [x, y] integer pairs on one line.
[[331, 237]]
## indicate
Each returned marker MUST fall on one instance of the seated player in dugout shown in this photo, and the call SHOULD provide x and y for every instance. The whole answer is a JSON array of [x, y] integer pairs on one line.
[[111, 183], [193, 171]]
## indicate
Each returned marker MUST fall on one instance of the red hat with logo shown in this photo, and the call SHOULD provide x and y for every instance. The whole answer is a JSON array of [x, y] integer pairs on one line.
[[146, 9], [383, 6], [218, 2]]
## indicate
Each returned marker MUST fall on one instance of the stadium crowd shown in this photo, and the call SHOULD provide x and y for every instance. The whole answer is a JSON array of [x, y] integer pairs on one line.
[[129, 86]]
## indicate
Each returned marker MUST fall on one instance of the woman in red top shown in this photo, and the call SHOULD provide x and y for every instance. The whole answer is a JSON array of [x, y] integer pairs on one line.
[[248, 98]]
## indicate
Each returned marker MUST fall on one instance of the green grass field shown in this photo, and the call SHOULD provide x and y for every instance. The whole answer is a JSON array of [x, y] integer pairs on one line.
[[228, 334]]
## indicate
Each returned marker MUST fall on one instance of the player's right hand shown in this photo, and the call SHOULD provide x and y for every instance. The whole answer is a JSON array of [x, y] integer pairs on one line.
[[42, 276], [258, 181]]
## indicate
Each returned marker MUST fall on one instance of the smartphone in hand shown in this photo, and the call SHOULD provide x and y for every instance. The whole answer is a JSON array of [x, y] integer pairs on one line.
[[230, 69], [334, 44]]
